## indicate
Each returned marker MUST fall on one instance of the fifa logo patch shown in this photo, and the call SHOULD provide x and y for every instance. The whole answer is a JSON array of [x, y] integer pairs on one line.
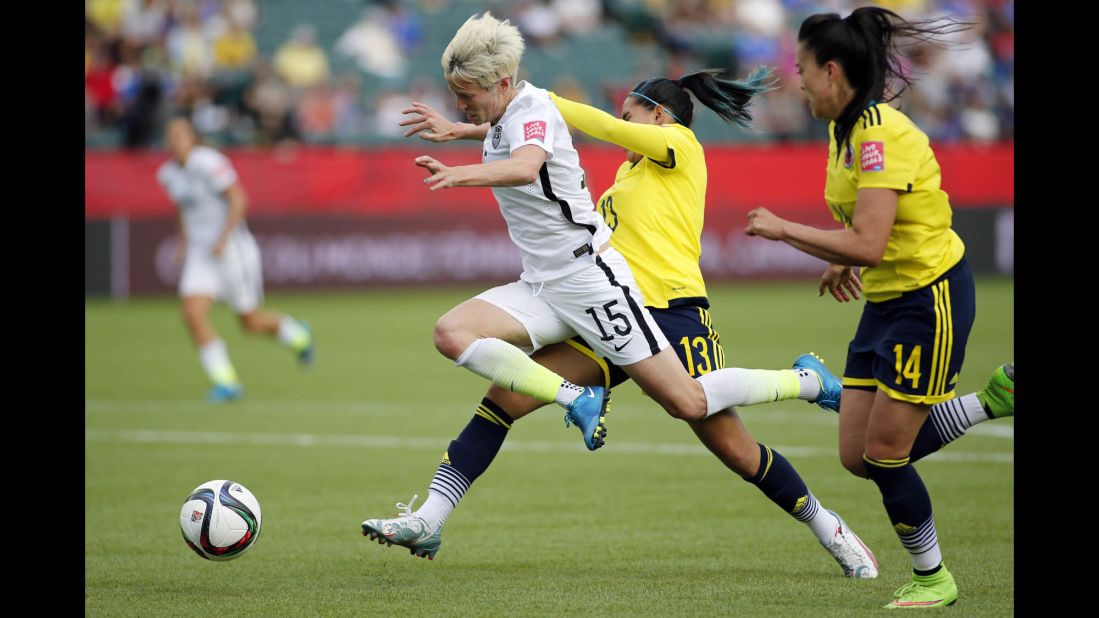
[[872, 157], [535, 129], [848, 156], [496, 133], [196, 515]]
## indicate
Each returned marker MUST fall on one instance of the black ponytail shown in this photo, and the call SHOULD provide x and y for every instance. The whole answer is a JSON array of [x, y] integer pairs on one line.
[[867, 44], [728, 98]]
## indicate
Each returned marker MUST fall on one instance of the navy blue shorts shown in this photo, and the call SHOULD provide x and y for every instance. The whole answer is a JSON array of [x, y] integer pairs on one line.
[[690, 333], [912, 347]]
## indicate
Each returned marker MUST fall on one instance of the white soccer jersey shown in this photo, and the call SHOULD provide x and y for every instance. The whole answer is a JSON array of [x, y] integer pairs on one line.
[[553, 220], [196, 189]]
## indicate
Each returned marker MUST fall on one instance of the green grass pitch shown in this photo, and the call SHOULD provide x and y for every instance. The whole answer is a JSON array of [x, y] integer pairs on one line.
[[649, 525]]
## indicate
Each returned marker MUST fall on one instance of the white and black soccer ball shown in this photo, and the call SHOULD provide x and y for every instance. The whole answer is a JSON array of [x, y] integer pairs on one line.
[[220, 520]]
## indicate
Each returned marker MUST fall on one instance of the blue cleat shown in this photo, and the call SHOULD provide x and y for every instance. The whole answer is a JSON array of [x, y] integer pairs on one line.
[[830, 386], [589, 413], [222, 393]]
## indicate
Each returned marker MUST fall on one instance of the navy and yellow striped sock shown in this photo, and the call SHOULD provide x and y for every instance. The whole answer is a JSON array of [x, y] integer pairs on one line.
[[909, 507], [779, 481], [465, 459]]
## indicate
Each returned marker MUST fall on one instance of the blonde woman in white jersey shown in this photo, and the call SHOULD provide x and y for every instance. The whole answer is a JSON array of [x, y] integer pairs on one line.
[[573, 284], [221, 260]]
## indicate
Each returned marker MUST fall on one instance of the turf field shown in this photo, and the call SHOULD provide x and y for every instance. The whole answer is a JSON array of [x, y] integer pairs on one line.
[[649, 525]]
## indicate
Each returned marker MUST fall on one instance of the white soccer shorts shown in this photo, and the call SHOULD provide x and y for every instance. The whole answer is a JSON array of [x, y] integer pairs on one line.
[[601, 303], [236, 277]]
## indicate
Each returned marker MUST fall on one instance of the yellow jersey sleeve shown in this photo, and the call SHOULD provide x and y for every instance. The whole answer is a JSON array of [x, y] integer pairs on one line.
[[648, 140]]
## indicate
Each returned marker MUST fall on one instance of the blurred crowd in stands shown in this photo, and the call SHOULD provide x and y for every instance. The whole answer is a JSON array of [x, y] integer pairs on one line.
[[267, 72]]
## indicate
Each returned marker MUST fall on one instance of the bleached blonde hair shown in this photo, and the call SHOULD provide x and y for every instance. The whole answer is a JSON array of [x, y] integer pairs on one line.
[[484, 50]]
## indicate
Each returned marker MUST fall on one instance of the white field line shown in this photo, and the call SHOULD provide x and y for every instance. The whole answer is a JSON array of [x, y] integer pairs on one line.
[[215, 438], [774, 414]]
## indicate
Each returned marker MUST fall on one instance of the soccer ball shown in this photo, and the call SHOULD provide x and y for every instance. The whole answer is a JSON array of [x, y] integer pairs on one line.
[[220, 520]]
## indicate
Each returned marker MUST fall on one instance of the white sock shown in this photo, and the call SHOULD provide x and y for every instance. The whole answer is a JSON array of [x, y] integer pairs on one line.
[[922, 544], [215, 360], [567, 393], [510, 368], [744, 387], [953, 417], [820, 521], [292, 334], [810, 384], [435, 510]]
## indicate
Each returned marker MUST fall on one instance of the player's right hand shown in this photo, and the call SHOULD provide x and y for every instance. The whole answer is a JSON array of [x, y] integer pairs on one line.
[[429, 124], [836, 279]]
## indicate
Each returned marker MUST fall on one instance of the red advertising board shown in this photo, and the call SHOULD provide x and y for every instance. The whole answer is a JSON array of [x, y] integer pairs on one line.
[[385, 182]]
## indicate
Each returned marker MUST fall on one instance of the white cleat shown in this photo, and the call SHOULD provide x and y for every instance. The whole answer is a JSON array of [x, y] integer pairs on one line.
[[851, 553]]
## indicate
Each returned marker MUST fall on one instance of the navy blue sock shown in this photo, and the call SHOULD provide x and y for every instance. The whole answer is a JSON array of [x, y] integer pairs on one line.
[[470, 454], [778, 480], [909, 507], [927, 441]]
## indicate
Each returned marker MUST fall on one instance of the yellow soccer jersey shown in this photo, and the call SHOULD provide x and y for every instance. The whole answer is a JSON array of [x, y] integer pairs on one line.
[[888, 151], [655, 208], [656, 212]]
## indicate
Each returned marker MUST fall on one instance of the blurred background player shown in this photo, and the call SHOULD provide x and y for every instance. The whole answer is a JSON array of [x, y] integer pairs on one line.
[[221, 259], [883, 184]]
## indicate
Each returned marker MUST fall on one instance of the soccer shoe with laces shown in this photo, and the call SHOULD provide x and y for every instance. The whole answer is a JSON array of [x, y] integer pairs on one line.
[[405, 530], [830, 387], [589, 413], [222, 393], [936, 590], [998, 396], [851, 553]]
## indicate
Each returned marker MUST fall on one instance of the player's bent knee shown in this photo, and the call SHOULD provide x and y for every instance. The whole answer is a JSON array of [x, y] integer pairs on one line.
[[853, 463], [887, 446], [451, 340], [684, 400], [687, 409]]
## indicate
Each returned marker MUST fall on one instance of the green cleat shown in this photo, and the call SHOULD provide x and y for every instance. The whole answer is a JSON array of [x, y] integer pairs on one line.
[[938, 590], [998, 397], [405, 530]]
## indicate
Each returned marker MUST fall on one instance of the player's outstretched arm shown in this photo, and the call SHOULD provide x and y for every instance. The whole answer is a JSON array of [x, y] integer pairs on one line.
[[430, 125], [648, 140], [520, 169]]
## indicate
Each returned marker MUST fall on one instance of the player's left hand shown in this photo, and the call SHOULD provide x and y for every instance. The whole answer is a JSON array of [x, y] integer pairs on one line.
[[429, 124], [442, 177], [763, 222], [219, 247], [842, 281]]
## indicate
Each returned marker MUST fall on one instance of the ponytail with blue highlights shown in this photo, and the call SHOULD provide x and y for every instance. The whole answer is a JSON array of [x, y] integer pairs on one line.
[[729, 99]]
